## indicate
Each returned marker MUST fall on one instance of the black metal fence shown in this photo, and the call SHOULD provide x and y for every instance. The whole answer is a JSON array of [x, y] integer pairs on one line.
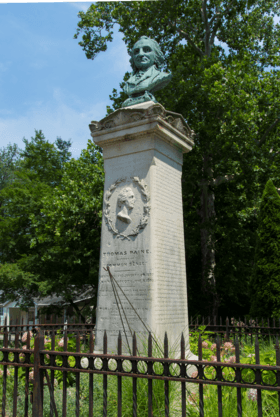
[[39, 359], [231, 328]]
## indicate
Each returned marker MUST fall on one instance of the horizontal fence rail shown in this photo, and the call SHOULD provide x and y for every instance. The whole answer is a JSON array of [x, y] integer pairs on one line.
[[33, 328], [264, 328], [70, 352]]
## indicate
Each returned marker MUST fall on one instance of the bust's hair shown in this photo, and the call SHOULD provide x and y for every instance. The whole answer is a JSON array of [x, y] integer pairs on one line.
[[122, 197], [159, 55]]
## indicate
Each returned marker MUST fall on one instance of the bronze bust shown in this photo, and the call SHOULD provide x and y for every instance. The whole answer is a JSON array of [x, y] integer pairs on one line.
[[146, 60]]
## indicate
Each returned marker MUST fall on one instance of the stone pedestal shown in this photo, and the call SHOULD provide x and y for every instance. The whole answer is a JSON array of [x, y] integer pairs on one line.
[[142, 238]]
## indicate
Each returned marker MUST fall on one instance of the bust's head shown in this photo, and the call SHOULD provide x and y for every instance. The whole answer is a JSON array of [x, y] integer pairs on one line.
[[126, 196], [145, 53]]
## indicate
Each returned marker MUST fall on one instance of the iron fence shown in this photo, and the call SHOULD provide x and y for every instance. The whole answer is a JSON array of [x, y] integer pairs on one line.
[[40, 364], [54, 321], [248, 328]]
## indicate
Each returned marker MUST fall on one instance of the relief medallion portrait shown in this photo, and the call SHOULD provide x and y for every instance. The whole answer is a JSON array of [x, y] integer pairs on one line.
[[126, 201], [127, 207]]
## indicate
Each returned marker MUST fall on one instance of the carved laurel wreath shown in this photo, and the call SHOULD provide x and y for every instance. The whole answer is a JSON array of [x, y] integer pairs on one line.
[[146, 209]]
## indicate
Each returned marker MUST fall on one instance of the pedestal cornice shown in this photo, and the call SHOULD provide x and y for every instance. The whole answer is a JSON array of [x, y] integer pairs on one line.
[[146, 118]]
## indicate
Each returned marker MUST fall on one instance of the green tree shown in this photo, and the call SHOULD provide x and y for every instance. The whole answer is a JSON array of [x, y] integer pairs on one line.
[[51, 218], [224, 57], [265, 282], [16, 284], [38, 171], [45, 161], [9, 161], [66, 232]]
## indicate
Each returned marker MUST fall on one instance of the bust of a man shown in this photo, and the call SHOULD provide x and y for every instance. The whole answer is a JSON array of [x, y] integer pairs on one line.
[[146, 60], [126, 201]]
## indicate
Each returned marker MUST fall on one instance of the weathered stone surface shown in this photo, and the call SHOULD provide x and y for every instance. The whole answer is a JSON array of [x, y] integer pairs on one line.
[[128, 122], [142, 229]]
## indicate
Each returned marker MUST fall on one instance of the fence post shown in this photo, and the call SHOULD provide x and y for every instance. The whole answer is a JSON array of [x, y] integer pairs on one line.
[[119, 377], [200, 376], [227, 328], [277, 352], [5, 345], [37, 409], [183, 374], [166, 371], [134, 380], [150, 381]]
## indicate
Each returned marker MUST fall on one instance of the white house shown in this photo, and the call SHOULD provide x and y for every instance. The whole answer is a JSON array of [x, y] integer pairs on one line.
[[11, 312], [14, 315]]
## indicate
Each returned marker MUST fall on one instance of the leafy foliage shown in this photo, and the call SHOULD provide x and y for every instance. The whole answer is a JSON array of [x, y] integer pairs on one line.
[[50, 217], [39, 169], [266, 275], [67, 230], [224, 57], [43, 160], [9, 161]]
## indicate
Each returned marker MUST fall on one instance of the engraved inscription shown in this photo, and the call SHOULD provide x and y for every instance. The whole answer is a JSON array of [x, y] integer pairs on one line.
[[126, 306]]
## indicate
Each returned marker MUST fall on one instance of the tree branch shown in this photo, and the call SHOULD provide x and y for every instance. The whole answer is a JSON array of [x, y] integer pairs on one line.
[[214, 31], [215, 17], [175, 25], [218, 17], [204, 16], [189, 39], [266, 133]]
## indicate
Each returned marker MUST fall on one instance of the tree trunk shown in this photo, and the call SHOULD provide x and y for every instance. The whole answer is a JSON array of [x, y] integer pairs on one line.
[[208, 215]]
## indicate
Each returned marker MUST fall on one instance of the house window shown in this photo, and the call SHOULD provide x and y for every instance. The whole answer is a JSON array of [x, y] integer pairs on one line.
[[1, 311]]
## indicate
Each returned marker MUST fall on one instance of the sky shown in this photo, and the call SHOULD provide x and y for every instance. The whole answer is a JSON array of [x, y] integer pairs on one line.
[[46, 81]]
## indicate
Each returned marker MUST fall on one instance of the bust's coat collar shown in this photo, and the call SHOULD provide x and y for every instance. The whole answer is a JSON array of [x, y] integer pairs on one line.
[[151, 72]]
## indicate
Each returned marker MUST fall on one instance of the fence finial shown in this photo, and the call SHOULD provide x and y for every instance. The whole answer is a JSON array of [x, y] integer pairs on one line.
[[105, 342], [150, 347], [119, 343], [165, 345], [183, 346]]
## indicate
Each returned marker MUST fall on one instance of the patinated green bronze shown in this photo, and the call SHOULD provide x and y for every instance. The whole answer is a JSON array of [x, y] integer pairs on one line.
[[146, 60]]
